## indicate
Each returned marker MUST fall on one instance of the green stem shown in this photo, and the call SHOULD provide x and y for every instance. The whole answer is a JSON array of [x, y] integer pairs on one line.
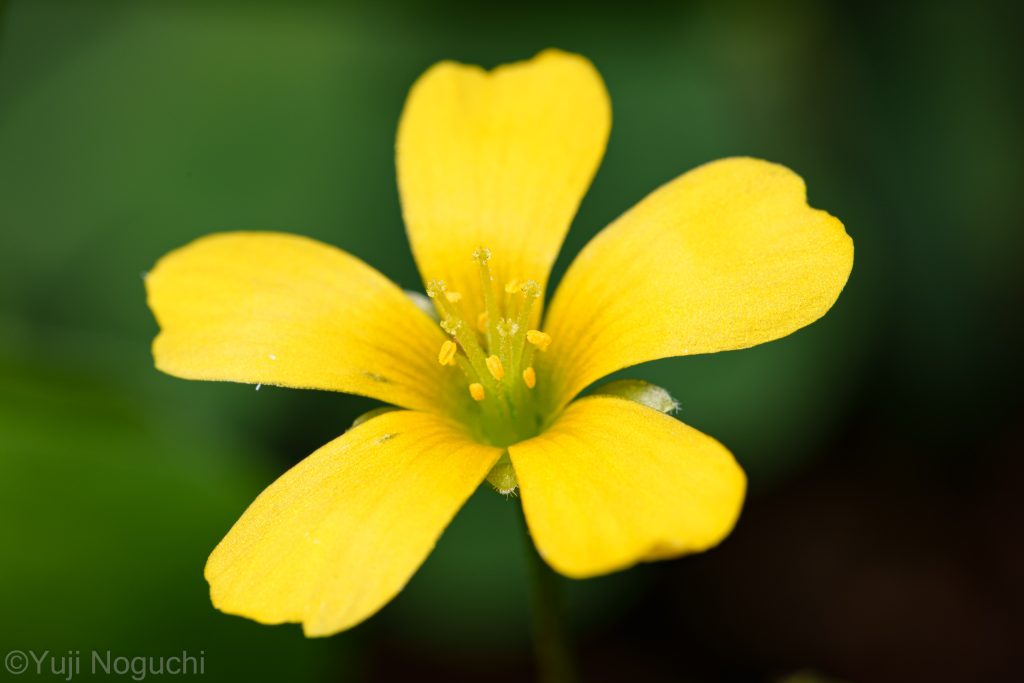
[[550, 636]]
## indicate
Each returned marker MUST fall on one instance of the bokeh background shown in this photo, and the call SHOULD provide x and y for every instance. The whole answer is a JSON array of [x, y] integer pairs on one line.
[[882, 536]]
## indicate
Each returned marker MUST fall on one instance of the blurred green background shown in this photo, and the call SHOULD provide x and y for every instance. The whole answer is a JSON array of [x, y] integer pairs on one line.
[[881, 537]]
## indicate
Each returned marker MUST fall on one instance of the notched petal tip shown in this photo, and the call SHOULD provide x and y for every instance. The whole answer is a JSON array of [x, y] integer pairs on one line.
[[727, 256], [550, 56], [535, 129]]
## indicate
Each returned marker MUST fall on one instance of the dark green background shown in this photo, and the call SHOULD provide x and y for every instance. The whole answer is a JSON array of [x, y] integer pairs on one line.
[[881, 537]]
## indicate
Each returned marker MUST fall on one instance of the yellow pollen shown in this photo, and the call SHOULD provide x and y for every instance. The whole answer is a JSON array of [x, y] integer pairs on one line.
[[530, 377], [513, 286], [454, 297], [539, 339], [447, 353], [476, 390], [495, 366], [481, 322]]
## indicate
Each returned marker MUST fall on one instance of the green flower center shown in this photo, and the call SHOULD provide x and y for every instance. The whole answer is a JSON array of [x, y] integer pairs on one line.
[[494, 351]]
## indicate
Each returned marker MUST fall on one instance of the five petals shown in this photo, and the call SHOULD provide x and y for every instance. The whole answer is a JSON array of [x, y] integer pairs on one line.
[[726, 256]]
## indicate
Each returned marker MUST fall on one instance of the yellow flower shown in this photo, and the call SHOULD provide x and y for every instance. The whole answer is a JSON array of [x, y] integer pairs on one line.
[[491, 169]]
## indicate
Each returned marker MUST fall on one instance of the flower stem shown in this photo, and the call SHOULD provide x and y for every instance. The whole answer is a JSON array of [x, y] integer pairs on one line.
[[550, 636]]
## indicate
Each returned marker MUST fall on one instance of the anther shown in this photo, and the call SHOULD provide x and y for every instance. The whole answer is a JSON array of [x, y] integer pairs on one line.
[[447, 353], [476, 390], [481, 322], [539, 339], [530, 377], [513, 286], [453, 297], [495, 367]]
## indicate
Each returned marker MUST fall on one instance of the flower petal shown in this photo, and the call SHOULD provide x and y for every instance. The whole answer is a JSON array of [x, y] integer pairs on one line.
[[499, 159], [340, 534], [273, 308], [726, 256], [612, 483]]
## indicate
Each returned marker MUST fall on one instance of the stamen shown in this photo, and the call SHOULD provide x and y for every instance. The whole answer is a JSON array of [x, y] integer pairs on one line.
[[452, 324], [530, 377], [513, 286], [539, 339], [476, 390], [481, 322], [496, 368], [454, 297], [447, 353]]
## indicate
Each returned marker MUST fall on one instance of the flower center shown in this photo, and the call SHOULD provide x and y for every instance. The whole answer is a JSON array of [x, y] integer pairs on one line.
[[494, 350]]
